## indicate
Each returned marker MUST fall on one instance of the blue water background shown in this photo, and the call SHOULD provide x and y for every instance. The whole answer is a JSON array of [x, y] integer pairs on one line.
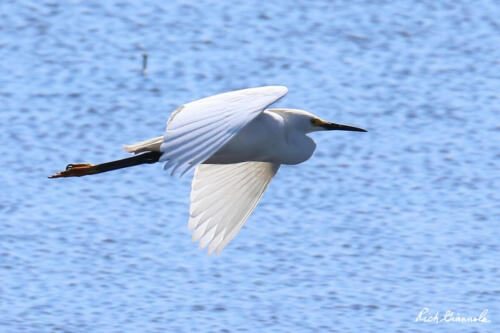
[[373, 228]]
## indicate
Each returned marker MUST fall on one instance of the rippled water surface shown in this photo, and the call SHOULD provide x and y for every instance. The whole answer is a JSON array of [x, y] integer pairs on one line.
[[372, 229]]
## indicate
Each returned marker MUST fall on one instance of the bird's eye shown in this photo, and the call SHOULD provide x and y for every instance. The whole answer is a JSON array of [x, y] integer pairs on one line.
[[315, 121]]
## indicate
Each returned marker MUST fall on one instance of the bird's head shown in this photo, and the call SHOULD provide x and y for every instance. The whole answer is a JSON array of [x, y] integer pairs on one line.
[[307, 122]]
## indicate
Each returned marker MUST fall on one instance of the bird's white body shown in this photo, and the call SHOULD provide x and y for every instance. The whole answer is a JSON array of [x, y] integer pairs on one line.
[[236, 146], [268, 138]]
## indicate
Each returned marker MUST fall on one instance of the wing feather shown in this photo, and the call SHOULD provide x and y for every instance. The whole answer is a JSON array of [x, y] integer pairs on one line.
[[196, 130], [222, 198]]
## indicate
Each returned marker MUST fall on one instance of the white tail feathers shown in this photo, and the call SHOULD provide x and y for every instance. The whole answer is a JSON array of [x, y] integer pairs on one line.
[[148, 145]]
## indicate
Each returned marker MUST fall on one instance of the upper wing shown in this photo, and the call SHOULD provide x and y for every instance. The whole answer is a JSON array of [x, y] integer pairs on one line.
[[222, 198], [196, 130]]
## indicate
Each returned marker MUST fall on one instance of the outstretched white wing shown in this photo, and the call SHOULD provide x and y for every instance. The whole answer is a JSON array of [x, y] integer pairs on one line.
[[222, 198], [196, 130]]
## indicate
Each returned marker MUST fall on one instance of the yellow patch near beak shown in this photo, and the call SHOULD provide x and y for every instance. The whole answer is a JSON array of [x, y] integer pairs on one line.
[[318, 122]]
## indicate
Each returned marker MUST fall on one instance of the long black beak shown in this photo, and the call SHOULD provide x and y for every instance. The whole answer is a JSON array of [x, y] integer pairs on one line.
[[339, 127]]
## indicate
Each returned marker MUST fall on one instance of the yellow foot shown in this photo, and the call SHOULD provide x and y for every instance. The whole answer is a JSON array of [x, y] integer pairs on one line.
[[76, 170]]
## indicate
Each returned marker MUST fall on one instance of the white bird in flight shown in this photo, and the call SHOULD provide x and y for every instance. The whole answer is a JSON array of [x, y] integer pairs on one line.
[[235, 144]]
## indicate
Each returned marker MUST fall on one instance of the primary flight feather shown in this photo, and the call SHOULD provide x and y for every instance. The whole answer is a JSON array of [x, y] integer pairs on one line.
[[235, 144]]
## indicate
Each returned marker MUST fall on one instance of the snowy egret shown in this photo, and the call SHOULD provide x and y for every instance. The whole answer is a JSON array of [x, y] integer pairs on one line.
[[236, 146]]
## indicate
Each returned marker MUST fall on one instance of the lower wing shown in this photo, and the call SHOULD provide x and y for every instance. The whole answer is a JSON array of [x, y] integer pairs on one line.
[[222, 198]]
